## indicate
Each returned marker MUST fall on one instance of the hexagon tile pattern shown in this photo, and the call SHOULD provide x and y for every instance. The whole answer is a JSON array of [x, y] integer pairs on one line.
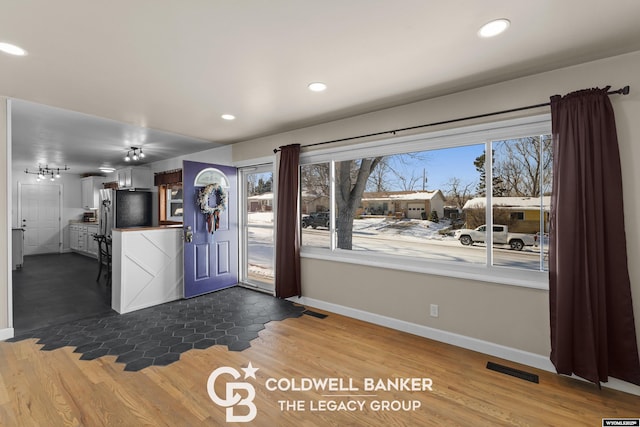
[[158, 335]]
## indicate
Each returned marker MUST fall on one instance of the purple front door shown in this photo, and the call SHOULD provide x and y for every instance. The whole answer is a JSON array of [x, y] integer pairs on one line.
[[210, 259]]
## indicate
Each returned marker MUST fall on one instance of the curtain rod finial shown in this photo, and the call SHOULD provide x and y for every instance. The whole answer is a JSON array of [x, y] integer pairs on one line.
[[625, 90]]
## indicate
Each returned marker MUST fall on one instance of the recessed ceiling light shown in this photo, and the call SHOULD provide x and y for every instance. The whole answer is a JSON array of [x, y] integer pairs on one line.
[[12, 49], [494, 28], [228, 116], [317, 86], [106, 169]]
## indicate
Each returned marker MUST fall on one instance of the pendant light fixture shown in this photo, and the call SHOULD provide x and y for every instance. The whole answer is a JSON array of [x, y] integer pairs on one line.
[[137, 154]]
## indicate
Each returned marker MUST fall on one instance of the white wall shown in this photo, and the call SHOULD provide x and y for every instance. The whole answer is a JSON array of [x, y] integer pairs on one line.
[[513, 317], [219, 156], [5, 223]]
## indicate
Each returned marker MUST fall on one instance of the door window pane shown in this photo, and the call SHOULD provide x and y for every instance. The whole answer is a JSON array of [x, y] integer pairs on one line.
[[259, 229]]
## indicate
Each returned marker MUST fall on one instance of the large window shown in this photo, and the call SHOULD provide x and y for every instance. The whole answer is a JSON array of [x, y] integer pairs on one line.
[[421, 202]]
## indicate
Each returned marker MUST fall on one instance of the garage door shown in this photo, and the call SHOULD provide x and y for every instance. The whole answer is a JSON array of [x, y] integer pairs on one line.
[[415, 210]]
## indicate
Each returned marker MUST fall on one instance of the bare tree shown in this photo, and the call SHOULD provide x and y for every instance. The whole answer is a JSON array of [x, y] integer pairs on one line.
[[379, 179], [524, 166], [315, 178], [410, 183], [351, 181], [458, 192], [398, 172]]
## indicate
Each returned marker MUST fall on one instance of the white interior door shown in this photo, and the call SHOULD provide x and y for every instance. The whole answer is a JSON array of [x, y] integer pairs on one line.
[[39, 216]]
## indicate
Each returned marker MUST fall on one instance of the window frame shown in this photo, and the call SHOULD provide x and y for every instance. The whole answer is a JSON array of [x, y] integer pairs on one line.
[[468, 135], [169, 203], [164, 202]]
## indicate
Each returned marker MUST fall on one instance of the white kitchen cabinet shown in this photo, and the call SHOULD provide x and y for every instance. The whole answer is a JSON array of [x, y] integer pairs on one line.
[[81, 239], [74, 231], [90, 187], [135, 177], [92, 244]]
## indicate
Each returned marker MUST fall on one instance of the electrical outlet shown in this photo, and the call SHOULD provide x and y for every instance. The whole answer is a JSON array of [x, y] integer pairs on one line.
[[434, 310]]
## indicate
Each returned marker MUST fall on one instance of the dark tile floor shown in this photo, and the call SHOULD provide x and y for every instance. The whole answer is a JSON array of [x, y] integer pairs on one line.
[[158, 335], [57, 288]]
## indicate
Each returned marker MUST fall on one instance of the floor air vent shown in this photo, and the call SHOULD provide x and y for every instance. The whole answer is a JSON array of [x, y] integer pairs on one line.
[[314, 314], [513, 372]]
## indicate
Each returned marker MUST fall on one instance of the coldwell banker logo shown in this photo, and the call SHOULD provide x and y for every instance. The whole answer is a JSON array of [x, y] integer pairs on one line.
[[337, 394], [233, 400]]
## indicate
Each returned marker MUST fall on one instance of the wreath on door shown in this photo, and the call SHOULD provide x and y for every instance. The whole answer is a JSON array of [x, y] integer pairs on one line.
[[212, 213]]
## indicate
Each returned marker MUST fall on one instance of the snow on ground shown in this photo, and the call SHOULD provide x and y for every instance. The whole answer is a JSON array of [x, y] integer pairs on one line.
[[405, 229], [260, 218], [403, 237]]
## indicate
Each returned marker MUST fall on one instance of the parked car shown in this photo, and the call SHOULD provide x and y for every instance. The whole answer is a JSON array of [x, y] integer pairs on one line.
[[316, 219], [544, 240], [501, 236]]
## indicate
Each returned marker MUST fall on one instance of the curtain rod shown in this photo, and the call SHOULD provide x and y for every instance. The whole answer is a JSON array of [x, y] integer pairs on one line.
[[621, 91]]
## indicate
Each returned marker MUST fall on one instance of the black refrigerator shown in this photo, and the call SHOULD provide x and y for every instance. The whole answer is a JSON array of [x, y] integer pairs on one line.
[[125, 209]]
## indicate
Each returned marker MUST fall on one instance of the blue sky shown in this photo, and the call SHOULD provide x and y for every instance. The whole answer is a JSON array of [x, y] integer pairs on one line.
[[444, 164]]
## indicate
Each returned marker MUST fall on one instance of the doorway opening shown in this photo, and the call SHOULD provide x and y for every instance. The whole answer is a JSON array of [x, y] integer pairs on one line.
[[49, 285]]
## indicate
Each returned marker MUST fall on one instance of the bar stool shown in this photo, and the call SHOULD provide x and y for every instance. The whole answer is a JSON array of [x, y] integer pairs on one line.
[[104, 256]]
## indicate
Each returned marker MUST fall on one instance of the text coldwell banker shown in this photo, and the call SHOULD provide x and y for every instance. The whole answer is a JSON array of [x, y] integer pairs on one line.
[[347, 384]]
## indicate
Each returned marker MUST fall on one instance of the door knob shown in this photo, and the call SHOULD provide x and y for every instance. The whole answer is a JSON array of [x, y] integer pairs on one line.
[[188, 235]]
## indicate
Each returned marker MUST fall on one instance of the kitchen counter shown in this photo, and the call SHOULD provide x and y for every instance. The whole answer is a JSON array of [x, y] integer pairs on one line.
[[147, 267], [157, 227]]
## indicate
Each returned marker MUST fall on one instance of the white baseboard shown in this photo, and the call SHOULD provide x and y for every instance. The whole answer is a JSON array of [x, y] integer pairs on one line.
[[508, 353], [6, 333]]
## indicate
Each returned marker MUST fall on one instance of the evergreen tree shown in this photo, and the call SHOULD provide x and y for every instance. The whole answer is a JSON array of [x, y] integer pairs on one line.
[[497, 181]]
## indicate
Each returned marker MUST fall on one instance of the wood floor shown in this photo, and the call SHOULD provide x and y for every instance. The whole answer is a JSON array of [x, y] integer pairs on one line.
[[55, 388]]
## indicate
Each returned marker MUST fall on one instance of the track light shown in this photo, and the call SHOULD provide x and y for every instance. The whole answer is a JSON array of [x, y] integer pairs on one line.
[[127, 158], [45, 171]]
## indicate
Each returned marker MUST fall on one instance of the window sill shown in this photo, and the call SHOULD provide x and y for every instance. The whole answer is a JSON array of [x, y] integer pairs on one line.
[[170, 222], [477, 272]]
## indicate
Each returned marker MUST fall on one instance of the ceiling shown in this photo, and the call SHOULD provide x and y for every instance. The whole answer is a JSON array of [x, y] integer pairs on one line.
[[176, 67]]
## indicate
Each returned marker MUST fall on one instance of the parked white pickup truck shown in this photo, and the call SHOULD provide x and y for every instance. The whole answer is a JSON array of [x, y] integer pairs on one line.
[[501, 236]]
